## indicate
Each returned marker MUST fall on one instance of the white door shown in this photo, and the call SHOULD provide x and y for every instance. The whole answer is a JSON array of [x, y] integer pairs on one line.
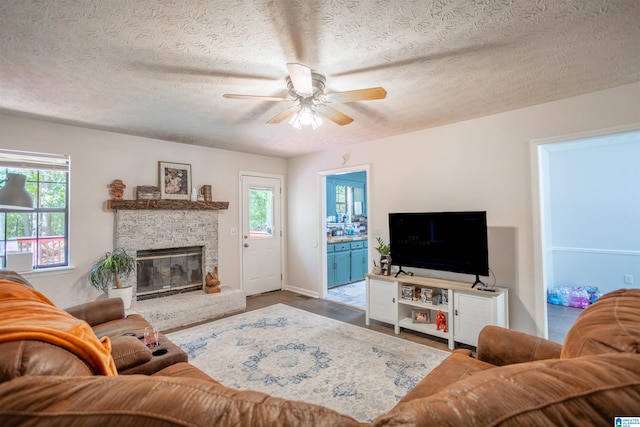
[[261, 235]]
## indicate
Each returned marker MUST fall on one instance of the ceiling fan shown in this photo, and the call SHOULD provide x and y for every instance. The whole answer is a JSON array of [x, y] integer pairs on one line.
[[306, 90]]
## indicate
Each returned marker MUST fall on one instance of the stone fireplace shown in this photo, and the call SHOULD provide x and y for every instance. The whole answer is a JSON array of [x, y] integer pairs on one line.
[[149, 225], [150, 230]]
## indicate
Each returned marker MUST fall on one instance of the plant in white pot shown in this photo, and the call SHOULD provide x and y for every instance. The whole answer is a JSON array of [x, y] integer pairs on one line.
[[107, 273]]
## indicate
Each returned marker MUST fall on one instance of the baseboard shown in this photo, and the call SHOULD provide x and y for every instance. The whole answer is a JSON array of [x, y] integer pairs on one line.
[[302, 291]]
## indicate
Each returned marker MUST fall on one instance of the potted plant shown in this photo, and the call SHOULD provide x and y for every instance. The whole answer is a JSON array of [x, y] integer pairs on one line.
[[385, 259], [109, 271]]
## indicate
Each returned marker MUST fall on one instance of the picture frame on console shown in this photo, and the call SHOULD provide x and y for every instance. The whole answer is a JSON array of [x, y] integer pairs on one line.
[[175, 180], [420, 316]]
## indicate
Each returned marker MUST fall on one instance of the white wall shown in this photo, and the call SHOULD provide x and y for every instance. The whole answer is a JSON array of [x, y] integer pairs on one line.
[[97, 158], [481, 164]]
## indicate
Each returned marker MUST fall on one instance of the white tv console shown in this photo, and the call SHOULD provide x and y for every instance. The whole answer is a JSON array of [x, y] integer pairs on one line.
[[466, 310]]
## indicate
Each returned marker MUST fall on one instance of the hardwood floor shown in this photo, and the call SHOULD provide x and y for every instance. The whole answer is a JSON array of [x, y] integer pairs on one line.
[[337, 311], [560, 318]]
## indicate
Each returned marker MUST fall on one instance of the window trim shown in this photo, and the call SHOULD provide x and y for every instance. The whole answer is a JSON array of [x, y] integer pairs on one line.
[[12, 159]]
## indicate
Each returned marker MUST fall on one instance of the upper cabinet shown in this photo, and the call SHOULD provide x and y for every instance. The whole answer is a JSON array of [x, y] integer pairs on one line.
[[346, 194]]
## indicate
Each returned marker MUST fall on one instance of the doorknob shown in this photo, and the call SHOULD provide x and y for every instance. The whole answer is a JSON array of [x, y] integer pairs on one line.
[[246, 245]]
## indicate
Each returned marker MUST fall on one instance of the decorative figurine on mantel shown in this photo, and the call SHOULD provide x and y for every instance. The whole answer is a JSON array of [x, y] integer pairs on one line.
[[117, 189], [212, 283]]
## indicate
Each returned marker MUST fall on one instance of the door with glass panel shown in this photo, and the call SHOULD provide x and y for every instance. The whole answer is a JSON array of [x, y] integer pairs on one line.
[[261, 235]]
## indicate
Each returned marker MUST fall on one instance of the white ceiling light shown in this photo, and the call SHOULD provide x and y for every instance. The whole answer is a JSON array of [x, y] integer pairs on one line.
[[306, 116]]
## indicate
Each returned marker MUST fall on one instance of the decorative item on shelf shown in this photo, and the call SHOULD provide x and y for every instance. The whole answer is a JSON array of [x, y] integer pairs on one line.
[[385, 259], [376, 269], [109, 270], [426, 295], [445, 297], [407, 292], [194, 195], [147, 192], [212, 284], [175, 180], [117, 189], [441, 321], [205, 190], [420, 316], [437, 299]]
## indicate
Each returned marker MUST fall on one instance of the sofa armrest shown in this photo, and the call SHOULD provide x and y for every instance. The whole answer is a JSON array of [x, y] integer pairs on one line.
[[97, 312], [128, 352], [501, 346]]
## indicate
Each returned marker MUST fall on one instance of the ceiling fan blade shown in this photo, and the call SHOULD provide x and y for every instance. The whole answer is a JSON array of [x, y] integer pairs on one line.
[[257, 97], [301, 78], [333, 114], [280, 117], [357, 95]]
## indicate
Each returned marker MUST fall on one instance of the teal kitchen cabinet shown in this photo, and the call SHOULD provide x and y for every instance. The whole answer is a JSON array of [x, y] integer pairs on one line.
[[346, 262], [338, 264], [358, 260]]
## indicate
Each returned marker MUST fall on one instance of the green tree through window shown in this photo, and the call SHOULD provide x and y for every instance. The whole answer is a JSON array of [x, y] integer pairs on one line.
[[261, 212]]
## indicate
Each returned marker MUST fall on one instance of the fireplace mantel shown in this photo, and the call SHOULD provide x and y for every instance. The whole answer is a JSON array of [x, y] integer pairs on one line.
[[164, 204]]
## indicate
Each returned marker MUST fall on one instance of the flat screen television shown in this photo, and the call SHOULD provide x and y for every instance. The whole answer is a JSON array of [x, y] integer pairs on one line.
[[445, 241]]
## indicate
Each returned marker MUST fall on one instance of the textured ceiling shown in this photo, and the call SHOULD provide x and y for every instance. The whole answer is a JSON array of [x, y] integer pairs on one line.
[[159, 68]]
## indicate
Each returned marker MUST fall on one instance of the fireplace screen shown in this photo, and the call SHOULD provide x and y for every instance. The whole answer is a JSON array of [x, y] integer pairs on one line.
[[167, 271]]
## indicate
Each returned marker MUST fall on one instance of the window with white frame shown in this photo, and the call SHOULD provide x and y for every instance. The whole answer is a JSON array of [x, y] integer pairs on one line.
[[41, 234]]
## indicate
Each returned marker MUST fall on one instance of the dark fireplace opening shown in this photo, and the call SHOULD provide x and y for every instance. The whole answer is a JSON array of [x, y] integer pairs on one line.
[[164, 272]]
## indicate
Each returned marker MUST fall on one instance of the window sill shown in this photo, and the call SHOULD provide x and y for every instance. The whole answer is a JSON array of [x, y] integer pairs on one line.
[[54, 271]]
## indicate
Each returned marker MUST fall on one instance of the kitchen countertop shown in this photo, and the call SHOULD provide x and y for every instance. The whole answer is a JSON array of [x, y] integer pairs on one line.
[[340, 239]]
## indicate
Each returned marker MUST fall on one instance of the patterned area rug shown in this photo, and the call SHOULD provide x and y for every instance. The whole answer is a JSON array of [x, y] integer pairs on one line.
[[293, 354]]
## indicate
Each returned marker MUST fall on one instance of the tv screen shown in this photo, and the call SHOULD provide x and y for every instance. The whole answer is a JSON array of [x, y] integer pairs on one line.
[[446, 241]]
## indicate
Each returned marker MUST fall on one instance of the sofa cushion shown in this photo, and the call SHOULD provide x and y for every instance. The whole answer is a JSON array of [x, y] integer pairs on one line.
[[28, 357], [457, 366], [133, 324], [97, 312], [12, 276], [610, 325], [184, 370], [138, 400], [589, 390], [128, 352], [27, 315]]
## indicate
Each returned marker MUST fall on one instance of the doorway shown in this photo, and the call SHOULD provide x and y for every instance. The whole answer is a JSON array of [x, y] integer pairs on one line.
[[261, 242], [345, 232], [589, 228]]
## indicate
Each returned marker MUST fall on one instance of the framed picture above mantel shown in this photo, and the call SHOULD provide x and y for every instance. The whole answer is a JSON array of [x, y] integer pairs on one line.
[[175, 180]]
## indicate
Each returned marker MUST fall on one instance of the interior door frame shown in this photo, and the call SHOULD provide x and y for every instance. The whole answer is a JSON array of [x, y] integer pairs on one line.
[[281, 227], [540, 214], [322, 179]]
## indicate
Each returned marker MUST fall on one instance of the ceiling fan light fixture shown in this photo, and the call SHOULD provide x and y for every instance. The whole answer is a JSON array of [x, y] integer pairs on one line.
[[306, 116], [295, 121]]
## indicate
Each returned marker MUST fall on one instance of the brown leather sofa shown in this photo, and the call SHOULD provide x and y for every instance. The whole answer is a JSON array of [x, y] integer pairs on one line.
[[515, 380]]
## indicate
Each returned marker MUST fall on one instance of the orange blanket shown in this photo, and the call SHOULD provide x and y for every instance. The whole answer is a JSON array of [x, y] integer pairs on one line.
[[26, 314]]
